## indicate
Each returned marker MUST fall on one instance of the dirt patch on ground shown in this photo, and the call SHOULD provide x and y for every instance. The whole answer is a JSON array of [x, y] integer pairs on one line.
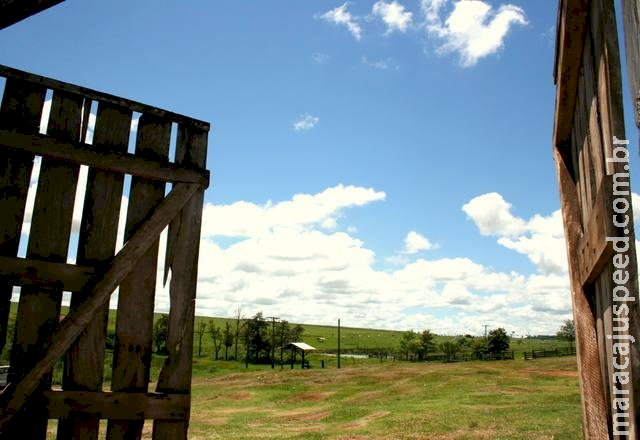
[[240, 395], [312, 396], [303, 415], [365, 396], [364, 421], [562, 373]]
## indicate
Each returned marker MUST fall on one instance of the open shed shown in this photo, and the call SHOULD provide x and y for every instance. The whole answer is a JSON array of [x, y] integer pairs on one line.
[[302, 347]]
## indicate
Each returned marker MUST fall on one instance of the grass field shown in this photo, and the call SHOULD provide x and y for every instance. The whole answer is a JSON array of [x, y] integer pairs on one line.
[[473, 400]]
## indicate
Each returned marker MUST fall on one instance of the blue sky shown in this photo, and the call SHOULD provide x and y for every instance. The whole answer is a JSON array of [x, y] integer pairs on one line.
[[388, 163]]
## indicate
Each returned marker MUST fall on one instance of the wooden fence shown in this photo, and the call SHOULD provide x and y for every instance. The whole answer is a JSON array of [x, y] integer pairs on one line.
[[588, 115], [41, 337], [557, 352]]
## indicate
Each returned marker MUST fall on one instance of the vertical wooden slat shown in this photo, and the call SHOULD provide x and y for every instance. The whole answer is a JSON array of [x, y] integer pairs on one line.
[[39, 310], [631, 20], [20, 110], [183, 244], [134, 322], [97, 242], [594, 406]]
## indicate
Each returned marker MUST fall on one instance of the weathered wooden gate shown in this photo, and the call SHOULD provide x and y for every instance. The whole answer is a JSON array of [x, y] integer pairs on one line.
[[42, 338], [595, 199]]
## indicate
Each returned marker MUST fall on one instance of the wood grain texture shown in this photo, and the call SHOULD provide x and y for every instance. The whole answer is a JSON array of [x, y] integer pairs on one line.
[[594, 406], [40, 273], [123, 405], [14, 396], [135, 106], [84, 362], [102, 157], [588, 115], [20, 110], [134, 321], [183, 243], [39, 310], [631, 23]]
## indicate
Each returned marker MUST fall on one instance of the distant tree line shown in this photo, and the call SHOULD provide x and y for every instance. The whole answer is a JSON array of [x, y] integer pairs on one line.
[[260, 338], [418, 346]]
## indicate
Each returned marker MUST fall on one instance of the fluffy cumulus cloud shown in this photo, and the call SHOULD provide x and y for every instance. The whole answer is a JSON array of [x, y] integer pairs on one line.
[[473, 29], [340, 16], [305, 122], [298, 259], [540, 238], [415, 242], [394, 15]]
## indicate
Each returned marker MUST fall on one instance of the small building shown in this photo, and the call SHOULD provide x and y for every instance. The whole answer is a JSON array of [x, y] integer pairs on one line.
[[301, 347]]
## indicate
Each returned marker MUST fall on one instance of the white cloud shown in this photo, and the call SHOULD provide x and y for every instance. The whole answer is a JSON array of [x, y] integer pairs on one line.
[[293, 258], [320, 58], [540, 238], [414, 243], [472, 29], [342, 17], [244, 219], [379, 64], [305, 122], [394, 16]]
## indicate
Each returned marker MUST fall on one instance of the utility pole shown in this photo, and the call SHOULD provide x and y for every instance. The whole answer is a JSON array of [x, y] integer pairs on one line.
[[273, 339], [338, 342], [485, 330]]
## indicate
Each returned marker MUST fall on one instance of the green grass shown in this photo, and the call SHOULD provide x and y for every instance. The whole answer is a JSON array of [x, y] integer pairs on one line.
[[474, 400]]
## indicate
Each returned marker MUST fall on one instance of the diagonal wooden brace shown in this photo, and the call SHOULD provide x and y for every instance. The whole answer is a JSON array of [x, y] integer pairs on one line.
[[14, 396]]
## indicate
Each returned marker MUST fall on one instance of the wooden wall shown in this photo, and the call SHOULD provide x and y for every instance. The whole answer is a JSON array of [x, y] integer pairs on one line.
[[41, 337], [588, 115]]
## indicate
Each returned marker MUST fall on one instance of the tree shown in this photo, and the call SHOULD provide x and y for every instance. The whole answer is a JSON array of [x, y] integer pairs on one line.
[[409, 343], [567, 332], [450, 349], [161, 333], [498, 341], [238, 317], [256, 338], [478, 347], [295, 334], [216, 336], [427, 343], [228, 339], [202, 328]]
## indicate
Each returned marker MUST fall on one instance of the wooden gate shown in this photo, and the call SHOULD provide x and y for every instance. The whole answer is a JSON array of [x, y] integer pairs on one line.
[[41, 337], [595, 199]]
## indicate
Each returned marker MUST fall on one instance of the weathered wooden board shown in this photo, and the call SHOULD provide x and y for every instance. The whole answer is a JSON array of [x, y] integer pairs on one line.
[[97, 244], [41, 337], [631, 20], [134, 322], [39, 310], [20, 111], [30, 272], [12, 11], [182, 259], [589, 115], [15, 394], [102, 158], [123, 406]]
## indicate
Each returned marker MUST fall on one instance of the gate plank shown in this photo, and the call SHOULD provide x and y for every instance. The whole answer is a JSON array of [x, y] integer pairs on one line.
[[97, 243], [134, 322], [38, 310], [183, 244], [14, 395], [103, 158], [20, 110]]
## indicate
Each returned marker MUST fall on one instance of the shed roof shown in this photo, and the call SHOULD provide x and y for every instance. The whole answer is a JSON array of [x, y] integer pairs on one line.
[[301, 345]]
